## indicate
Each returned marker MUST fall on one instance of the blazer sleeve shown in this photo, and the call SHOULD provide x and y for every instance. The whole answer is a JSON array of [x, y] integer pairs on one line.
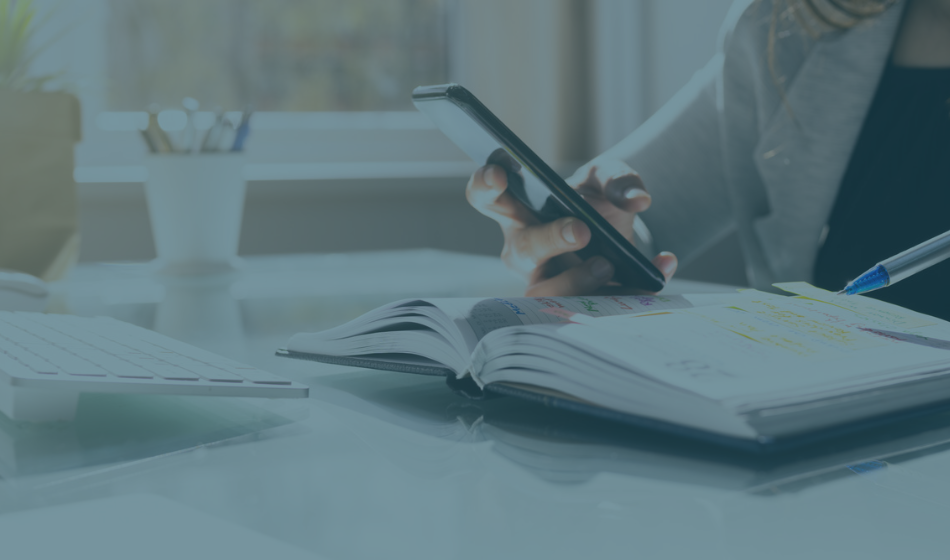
[[679, 154]]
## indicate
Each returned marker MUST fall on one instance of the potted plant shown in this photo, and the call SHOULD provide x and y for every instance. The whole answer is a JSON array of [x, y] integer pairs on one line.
[[38, 130]]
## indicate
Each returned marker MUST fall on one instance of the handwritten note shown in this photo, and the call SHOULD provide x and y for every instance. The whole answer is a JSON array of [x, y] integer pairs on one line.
[[753, 345], [794, 329], [484, 316], [886, 313]]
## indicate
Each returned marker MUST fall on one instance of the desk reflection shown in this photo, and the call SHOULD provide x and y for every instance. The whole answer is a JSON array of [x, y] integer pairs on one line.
[[561, 447], [203, 311], [115, 428]]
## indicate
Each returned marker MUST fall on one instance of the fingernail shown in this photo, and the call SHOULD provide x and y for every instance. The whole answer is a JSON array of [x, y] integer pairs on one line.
[[633, 192], [641, 199], [668, 266], [601, 269], [488, 175], [567, 232]]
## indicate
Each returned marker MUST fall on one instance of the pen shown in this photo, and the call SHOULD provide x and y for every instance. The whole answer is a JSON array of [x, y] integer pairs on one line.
[[154, 131], [242, 130], [902, 265], [226, 137], [213, 136], [152, 147], [189, 136]]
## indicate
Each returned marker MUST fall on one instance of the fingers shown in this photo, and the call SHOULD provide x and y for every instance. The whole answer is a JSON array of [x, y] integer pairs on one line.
[[628, 194], [485, 186], [613, 182], [593, 277], [583, 279], [527, 248], [543, 253], [486, 192], [667, 263]]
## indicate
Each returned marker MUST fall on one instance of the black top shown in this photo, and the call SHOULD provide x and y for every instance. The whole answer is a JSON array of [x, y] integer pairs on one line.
[[896, 191]]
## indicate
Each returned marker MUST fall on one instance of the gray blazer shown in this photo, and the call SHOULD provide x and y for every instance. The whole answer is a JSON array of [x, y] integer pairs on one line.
[[728, 156]]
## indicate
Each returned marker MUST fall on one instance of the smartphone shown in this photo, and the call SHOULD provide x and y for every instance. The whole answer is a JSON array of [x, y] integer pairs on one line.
[[482, 135]]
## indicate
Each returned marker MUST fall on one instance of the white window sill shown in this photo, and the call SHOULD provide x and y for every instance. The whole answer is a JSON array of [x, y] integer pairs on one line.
[[294, 147], [291, 146], [298, 171]]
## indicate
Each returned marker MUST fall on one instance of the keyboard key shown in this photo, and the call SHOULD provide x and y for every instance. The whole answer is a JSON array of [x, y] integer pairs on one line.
[[112, 364], [71, 364], [30, 360], [11, 366], [18, 336], [122, 368], [169, 372], [255, 375], [214, 374]]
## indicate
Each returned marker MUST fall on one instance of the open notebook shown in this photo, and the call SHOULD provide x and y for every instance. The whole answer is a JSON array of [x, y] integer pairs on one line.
[[750, 369]]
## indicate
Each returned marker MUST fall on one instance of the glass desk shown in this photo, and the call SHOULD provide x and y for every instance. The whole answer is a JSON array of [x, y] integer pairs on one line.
[[388, 465]]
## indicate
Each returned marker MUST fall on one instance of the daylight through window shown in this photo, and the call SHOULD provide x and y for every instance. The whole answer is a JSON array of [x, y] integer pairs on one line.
[[276, 55]]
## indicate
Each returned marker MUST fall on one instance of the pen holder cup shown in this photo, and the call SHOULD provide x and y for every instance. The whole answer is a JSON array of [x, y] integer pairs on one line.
[[195, 203]]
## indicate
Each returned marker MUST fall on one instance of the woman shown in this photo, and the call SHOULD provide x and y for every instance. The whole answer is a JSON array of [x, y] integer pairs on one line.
[[820, 135]]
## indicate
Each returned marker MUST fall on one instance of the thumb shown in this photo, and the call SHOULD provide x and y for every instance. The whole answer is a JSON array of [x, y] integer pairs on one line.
[[667, 263]]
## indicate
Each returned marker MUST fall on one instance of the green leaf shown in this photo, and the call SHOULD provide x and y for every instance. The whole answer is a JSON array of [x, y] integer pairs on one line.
[[18, 25]]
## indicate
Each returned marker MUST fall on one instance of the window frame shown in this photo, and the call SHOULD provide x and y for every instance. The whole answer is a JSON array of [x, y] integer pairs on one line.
[[380, 143], [621, 34]]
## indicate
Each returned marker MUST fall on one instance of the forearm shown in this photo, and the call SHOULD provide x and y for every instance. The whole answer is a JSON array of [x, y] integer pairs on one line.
[[677, 153]]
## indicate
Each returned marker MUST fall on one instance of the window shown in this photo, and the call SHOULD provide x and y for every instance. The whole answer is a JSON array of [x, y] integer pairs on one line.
[[329, 80], [274, 55]]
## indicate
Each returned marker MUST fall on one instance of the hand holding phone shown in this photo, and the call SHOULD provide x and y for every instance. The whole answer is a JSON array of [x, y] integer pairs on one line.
[[544, 253], [544, 219]]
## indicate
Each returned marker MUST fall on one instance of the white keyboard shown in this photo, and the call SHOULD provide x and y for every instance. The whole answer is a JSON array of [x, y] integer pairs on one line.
[[50, 359]]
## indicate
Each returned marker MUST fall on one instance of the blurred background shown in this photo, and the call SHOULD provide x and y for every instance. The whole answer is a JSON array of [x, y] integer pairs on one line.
[[338, 160]]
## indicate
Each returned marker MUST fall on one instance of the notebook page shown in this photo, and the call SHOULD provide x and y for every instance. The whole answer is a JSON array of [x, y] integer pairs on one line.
[[459, 323], [886, 313], [476, 318], [763, 344]]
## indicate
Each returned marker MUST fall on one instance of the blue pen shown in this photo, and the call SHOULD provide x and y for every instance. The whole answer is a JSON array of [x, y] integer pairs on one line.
[[898, 267], [242, 131]]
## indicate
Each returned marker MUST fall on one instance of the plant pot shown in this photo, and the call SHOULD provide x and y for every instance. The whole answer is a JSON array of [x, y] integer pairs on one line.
[[38, 210]]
